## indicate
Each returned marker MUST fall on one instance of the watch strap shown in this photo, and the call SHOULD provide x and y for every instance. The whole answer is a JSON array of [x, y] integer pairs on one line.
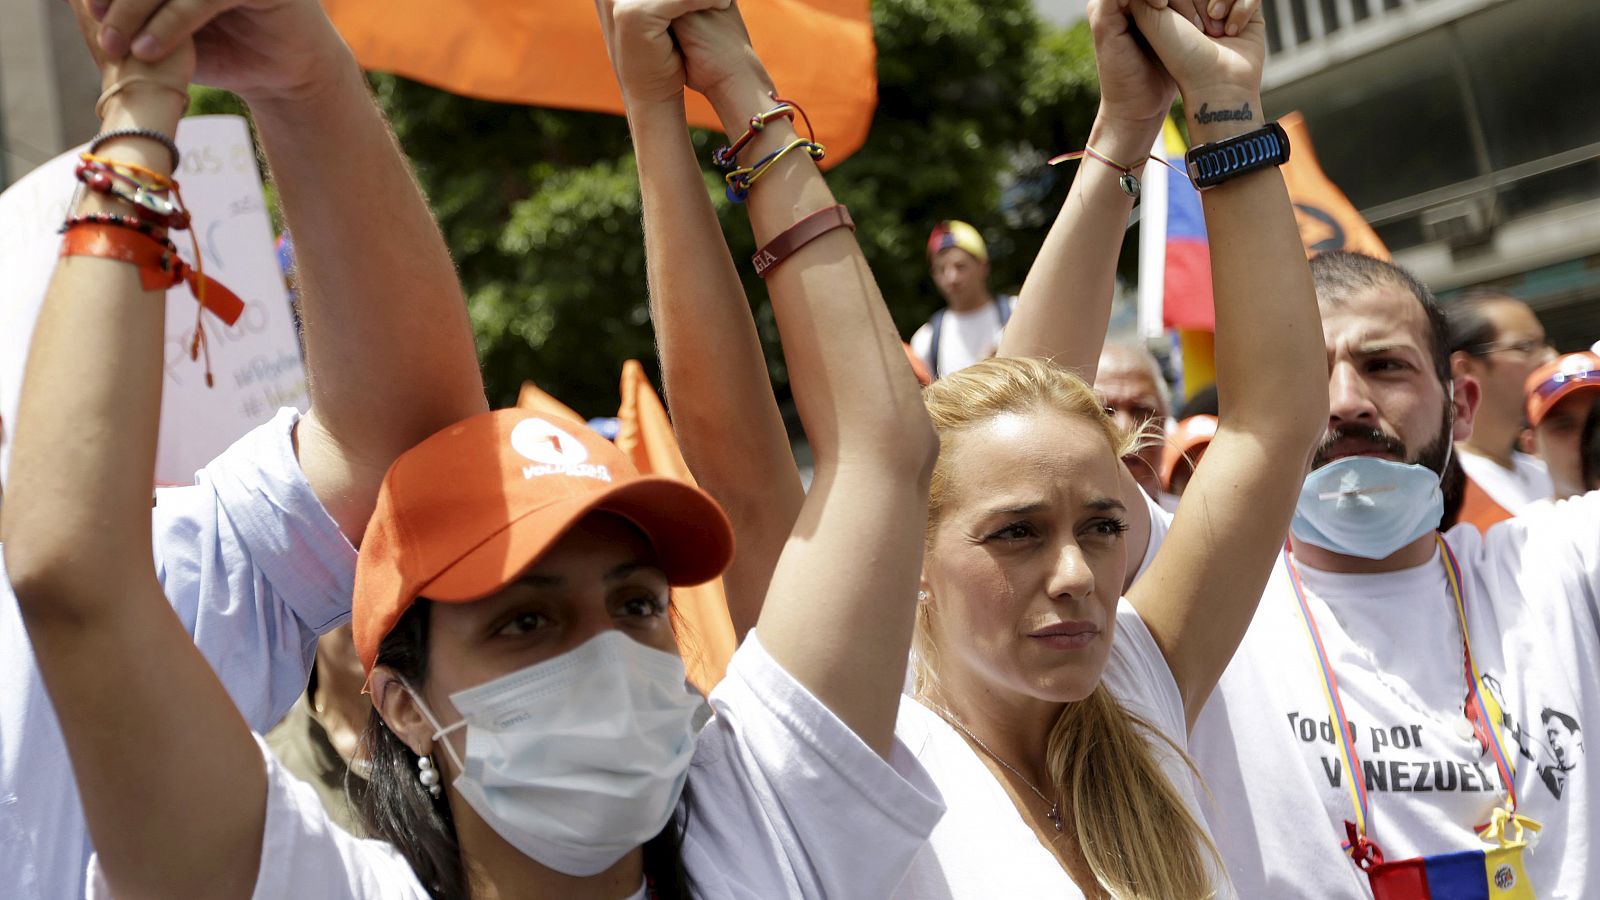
[[1212, 164]]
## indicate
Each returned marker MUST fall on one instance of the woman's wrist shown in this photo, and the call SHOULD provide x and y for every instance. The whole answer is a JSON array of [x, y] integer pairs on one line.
[[1215, 114], [655, 110], [740, 98], [1127, 141], [149, 110]]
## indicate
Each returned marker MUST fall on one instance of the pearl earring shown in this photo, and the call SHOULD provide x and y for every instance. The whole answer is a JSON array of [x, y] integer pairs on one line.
[[922, 596], [428, 775]]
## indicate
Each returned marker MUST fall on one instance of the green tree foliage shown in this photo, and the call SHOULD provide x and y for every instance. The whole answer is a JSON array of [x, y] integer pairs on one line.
[[541, 210]]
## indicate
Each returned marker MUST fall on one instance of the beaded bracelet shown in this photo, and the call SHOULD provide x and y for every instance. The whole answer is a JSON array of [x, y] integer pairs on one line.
[[150, 134], [740, 180], [149, 230]]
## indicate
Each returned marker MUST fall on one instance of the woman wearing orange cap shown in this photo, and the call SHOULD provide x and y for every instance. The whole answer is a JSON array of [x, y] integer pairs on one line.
[[1052, 714], [532, 734]]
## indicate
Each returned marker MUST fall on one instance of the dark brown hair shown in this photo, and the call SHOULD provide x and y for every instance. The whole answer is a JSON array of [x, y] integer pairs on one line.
[[1338, 274]]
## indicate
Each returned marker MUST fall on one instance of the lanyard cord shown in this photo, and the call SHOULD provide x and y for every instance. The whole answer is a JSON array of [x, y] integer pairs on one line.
[[1482, 711]]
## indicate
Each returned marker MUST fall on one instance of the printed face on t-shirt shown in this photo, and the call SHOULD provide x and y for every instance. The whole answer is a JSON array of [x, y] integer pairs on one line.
[[1027, 558], [1384, 399]]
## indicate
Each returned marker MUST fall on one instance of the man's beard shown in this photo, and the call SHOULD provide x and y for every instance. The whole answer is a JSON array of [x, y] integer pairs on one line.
[[1433, 457]]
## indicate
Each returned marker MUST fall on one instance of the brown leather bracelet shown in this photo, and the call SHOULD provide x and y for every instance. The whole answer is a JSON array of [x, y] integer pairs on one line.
[[800, 234]]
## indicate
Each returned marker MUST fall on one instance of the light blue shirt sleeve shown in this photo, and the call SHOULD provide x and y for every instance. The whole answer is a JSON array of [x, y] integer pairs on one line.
[[255, 568]]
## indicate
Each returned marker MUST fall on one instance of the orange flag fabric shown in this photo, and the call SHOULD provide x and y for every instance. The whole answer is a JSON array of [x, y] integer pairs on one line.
[[533, 399], [550, 53], [705, 630], [1327, 220]]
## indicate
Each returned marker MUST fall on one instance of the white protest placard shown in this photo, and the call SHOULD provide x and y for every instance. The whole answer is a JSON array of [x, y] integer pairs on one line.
[[255, 362]]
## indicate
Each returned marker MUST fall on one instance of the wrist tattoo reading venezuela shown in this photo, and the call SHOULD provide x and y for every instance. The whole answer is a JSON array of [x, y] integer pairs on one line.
[[1206, 115]]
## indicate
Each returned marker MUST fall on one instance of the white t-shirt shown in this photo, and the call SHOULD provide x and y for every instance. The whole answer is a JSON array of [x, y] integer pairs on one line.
[[1264, 741], [1525, 483], [783, 800], [964, 338], [983, 848], [255, 569]]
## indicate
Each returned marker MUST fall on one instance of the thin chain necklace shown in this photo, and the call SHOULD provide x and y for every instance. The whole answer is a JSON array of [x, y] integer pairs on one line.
[[1055, 805]]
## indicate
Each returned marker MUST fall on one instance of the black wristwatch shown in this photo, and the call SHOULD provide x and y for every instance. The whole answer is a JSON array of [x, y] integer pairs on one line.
[[1212, 164]]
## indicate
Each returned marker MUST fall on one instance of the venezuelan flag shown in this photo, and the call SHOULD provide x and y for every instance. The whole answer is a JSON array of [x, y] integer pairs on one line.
[[1495, 874], [1175, 262]]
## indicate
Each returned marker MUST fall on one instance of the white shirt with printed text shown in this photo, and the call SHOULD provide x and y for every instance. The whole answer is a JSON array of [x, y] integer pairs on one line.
[[1264, 742]]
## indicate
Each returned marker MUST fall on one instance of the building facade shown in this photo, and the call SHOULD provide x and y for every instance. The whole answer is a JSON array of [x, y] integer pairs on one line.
[[1465, 131], [48, 85]]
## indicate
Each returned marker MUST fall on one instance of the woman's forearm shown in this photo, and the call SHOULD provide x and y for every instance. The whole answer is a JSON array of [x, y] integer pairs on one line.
[[1266, 309], [1065, 306], [77, 513], [713, 368]]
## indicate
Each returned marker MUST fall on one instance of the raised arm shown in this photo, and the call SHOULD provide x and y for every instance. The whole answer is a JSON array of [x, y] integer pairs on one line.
[[711, 361], [1065, 307], [389, 351], [173, 787], [838, 613], [1065, 304], [1202, 589]]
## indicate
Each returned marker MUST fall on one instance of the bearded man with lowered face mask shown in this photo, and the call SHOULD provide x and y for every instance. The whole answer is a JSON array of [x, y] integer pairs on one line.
[[1373, 573]]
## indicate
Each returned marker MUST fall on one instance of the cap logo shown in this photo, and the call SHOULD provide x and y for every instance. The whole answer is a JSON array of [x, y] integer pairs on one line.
[[542, 442], [554, 451], [1576, 364]]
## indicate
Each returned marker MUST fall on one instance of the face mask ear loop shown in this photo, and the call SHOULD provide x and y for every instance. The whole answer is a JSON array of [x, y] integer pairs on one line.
[[1450, 424], [439, 731]]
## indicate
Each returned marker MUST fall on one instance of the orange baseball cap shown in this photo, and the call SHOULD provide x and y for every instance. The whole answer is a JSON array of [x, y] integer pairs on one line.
[[465, 512], [1549, 383], [1191, 434]]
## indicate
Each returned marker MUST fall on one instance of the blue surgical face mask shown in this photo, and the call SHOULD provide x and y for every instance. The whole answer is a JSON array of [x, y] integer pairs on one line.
[[1367, 507]]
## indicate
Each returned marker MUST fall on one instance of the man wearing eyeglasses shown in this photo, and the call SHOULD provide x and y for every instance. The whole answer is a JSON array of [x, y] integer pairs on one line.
[[1497, 340]]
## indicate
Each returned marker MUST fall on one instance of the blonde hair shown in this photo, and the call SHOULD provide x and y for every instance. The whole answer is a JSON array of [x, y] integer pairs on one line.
[[1132, 827]]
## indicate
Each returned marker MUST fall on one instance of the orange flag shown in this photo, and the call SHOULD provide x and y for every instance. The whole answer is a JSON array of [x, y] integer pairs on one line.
[[550, 53], [1327, 220], [535, 400], [705, 631]]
